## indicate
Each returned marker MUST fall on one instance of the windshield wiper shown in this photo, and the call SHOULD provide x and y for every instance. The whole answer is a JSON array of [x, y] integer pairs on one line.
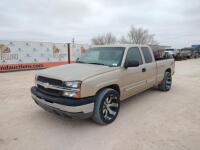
[[95, 63], [89, 62]]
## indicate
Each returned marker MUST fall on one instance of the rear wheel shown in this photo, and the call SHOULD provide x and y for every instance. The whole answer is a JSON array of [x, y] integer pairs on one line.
[[106, 107], [166, 83]]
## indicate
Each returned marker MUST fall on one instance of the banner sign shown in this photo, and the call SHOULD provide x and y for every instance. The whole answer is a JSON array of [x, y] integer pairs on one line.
[[77, 50], [17, 55]]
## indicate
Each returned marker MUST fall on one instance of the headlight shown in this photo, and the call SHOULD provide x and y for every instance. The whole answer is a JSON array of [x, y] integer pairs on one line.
[[73, 89], [72, 84]]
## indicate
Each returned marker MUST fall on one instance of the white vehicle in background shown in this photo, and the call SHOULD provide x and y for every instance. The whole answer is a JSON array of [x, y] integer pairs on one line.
[[174, 52]]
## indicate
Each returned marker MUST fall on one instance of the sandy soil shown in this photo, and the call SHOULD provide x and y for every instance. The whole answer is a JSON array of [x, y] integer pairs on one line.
[[152, 120]]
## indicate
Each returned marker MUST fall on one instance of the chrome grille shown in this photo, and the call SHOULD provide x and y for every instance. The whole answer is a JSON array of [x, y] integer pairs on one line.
[[49, 81]]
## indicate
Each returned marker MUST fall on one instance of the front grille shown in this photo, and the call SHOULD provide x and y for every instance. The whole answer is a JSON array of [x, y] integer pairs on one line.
[[49, 91], [50, 81]]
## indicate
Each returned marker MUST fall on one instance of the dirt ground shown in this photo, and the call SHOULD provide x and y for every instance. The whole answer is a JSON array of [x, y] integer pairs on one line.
[[152, 120]]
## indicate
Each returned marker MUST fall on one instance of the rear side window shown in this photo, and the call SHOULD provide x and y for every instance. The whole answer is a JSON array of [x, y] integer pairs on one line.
[[134, 54], [146, 54]]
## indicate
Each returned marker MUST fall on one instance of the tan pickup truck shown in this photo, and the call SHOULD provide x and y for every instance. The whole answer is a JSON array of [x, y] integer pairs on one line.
[[99, 80]]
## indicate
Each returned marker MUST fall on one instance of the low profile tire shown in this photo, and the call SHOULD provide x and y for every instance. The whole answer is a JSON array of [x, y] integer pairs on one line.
[[106, 107], [166, 83]]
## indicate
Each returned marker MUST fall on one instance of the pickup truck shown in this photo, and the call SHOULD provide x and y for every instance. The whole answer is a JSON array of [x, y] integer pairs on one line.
[[186, 53], [174, 52], [101, 78]]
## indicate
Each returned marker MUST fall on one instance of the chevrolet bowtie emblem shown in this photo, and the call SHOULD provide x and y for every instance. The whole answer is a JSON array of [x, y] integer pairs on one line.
[[46, 85]]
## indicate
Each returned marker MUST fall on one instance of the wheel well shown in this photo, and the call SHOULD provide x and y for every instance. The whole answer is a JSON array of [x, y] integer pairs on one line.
[[113, 86], [168, 70]]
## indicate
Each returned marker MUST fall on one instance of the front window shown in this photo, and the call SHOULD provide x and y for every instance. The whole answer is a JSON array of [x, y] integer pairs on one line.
[[134, 54], [108, 56]]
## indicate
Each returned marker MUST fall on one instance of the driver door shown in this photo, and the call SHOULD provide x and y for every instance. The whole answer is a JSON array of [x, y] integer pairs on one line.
[[134, 79]]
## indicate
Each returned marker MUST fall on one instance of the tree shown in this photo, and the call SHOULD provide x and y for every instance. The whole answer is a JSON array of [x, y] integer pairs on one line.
[[107, 38], [123, 40], [138, 36]]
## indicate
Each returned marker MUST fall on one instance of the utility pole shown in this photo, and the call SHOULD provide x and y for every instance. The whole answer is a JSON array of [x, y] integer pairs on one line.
[[68, 52], [73, 40]]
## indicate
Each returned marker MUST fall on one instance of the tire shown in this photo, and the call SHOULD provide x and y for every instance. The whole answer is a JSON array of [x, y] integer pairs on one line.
[[106, 107], [166, 83]]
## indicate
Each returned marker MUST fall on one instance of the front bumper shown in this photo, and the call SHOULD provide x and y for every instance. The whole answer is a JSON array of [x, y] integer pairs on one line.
[[75, 108]]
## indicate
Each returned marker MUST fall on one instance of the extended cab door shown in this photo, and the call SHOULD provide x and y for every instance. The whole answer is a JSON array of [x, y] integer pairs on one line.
[[150, 66], [133, 78]]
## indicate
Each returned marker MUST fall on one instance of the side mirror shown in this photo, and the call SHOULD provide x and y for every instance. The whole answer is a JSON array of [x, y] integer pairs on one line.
[[132, 63]]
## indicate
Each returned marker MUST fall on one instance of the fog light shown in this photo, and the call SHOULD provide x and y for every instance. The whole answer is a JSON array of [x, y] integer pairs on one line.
[[71, 94]]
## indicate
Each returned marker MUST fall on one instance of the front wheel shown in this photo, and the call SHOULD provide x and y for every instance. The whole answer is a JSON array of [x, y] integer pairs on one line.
[[166, 83], [106, 107]]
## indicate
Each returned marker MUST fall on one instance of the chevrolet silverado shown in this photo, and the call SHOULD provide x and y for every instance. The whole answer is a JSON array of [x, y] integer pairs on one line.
[[101, 78]]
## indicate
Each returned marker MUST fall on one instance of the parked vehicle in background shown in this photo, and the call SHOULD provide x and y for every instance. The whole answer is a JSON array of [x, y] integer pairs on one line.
[[190, 52], [197, 48], [160, 53], [186, 53], [174, 52], [195, 53], [101, 78]]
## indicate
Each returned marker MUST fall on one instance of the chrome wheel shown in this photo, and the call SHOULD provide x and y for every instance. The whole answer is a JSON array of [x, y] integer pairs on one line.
[[168, 81], [107, 105], [110, 107]]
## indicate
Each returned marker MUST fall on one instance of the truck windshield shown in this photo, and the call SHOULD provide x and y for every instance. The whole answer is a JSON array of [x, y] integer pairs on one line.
[[108, 56]]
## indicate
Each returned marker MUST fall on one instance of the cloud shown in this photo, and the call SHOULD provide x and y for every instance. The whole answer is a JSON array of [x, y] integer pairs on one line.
[[174, 23]]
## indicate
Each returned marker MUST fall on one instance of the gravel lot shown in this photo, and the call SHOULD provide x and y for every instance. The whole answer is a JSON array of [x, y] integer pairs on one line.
[[152, 120]]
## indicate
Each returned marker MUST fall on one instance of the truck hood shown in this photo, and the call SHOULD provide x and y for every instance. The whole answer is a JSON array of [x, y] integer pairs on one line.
[[76, 71]]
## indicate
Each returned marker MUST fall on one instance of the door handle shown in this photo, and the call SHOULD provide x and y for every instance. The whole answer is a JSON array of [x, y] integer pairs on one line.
[[143, 69]]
